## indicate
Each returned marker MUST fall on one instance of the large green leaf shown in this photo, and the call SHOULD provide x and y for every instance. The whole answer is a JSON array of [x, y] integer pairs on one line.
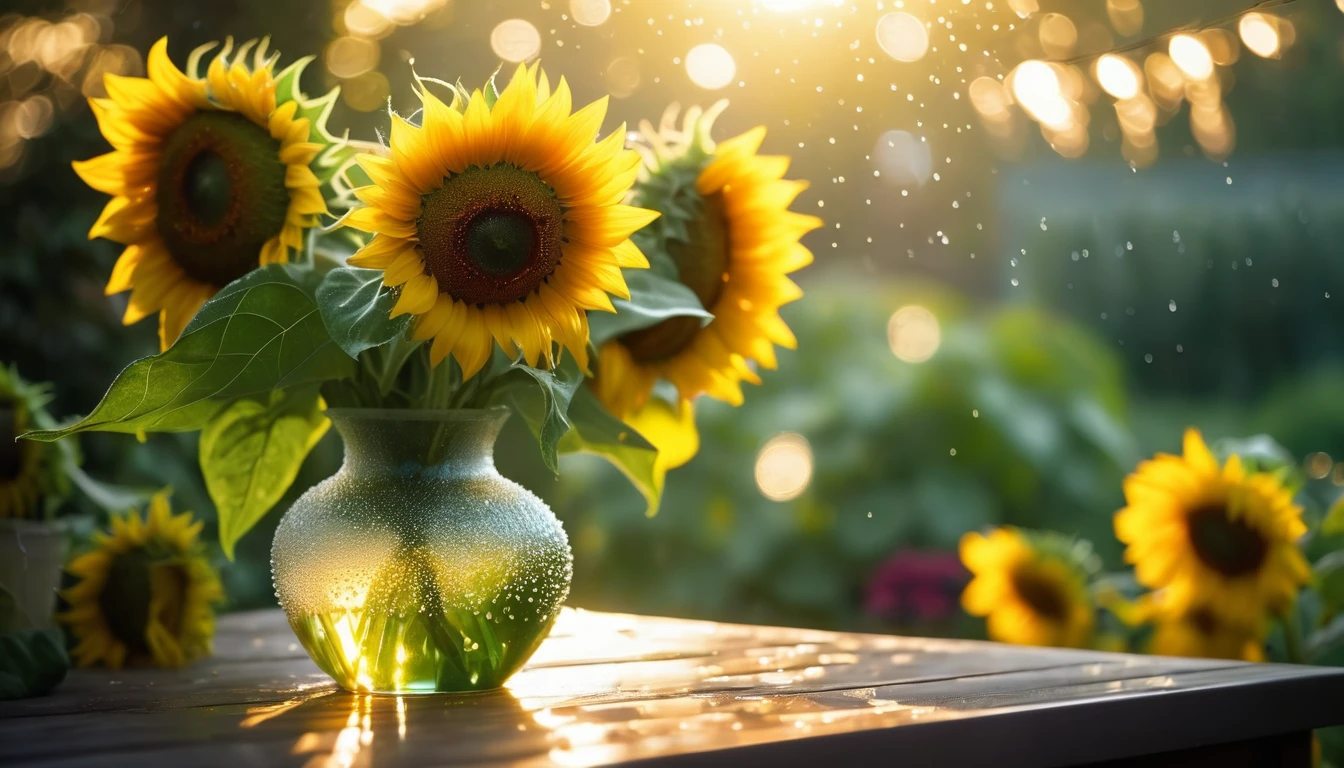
[[653, 299], [598, 432], [251, 452], [356, 309], [542, 398], [261, 332], [32, 661]]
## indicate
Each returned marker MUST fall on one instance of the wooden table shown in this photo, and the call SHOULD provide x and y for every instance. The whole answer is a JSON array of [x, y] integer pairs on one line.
[[609, 688]]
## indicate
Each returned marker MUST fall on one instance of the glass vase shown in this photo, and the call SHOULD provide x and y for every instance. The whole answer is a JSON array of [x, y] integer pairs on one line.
[[417, 567]]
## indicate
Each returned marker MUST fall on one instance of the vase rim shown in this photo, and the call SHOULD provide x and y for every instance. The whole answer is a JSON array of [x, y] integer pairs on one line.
[[420, 414]]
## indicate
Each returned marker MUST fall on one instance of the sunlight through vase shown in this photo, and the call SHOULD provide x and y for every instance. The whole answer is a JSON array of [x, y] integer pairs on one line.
[[418, 568]]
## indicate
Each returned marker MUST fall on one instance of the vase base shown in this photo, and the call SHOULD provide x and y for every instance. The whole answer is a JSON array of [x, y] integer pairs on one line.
[[419, 654]]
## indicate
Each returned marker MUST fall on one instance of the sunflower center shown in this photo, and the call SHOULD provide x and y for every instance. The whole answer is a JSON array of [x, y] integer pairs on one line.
[[1230, 546], [11, 458], [124, 600], [221, 195], [702, 263], [1041, 593], [491, 235]]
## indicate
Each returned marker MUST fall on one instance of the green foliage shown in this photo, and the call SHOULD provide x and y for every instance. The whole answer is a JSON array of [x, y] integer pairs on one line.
[[251, 452], [261, 332], [653, 299], [32, 661], [542, 398], [355, 310], [598, 432], [1033, 407]]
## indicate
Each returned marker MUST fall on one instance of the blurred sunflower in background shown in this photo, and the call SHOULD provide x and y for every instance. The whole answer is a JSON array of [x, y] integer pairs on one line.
[[1032, 589], [1215, 540], [500, 220], [727, 233], [30, 472], [210, 177], [145, 593]]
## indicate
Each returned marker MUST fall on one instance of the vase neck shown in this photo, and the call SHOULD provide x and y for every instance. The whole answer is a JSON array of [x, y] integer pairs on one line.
[[418, 443]]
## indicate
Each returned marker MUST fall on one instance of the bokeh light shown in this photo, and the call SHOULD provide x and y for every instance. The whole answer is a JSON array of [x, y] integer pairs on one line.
[[914, 334], [1058, 35], [1126, 16], [710, 66], [903, 159], [784, 467], [515, 40], [349, 57], [1036, 86], [1118, 76], [1259, 35], [590, 13], [1192, 56], [902, 36], [622, 76]]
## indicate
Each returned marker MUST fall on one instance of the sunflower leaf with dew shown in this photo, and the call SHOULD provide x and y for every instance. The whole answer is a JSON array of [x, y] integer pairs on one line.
[[356, 309], [597, 432], [653, 299], [251, 452], [32, 662], [543, 399], [260, 333]]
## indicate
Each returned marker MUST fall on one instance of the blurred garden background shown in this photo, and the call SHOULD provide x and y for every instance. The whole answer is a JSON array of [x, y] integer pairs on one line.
[[1010, 306]]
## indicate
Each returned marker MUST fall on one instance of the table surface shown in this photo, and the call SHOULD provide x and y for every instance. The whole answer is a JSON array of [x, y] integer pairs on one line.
[[609, 688]]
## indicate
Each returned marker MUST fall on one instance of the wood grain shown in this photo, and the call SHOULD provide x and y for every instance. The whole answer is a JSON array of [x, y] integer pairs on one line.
[[610, 688]]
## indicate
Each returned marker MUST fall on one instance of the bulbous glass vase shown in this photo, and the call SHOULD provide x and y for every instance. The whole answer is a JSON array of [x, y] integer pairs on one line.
[[418, 568]]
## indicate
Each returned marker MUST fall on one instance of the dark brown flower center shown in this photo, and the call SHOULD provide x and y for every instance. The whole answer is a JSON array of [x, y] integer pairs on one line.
[[1230, 546], [702, 262], [491, 235], [221, 195], [11, 453], [1041, 593], [130, 587]]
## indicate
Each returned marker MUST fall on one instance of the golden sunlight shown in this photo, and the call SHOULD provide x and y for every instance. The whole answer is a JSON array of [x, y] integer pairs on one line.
[[710, 66], [1118, 76], [515, 40], [902, 36], [1259, 35], [784, 467], [914, 334]]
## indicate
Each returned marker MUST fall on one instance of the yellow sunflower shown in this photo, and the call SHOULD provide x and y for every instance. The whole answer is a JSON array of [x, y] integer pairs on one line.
[[501, 222], [145, 592], [30, 472], [210, 178], [1213, 536], [671, 430], [731, 238], [1030, 593]]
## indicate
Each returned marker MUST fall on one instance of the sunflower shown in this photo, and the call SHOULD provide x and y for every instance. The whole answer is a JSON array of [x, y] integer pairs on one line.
[[145, 592], [1213, 536], [30, 472], [671, 430], [210, 177], [1032, 591], [730, 237], [500, 221]]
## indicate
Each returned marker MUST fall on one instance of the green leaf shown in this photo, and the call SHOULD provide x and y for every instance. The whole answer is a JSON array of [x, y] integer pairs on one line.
[[598, 432], [251, 452], [356, 309], [653, 299], [1333, 524], [1326, 645], [32, 662], [1329, 574], [261, 332], [542, 398]]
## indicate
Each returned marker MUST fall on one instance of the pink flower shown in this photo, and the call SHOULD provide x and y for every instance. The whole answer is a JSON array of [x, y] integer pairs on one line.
[[913, 585]]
